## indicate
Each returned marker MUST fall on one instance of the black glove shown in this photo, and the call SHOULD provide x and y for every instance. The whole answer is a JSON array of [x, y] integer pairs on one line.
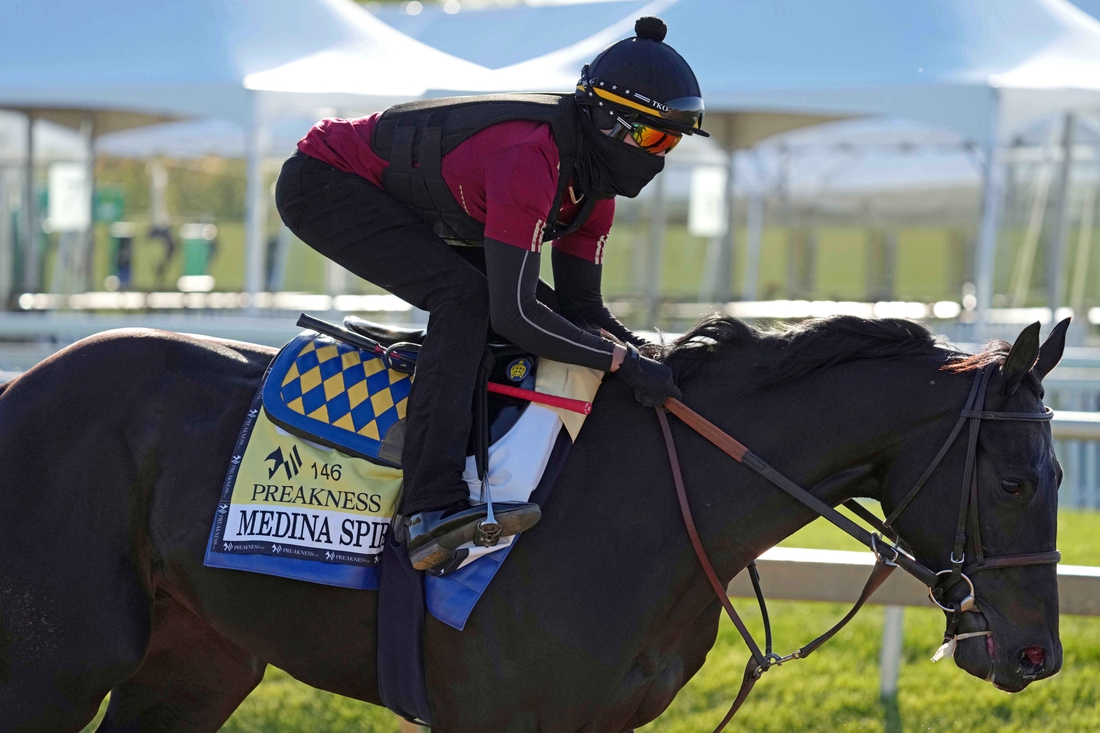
[[651, 380]]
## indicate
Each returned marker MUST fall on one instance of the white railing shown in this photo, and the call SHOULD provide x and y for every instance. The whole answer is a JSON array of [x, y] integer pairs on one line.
[[1077, 445], [838, 577]]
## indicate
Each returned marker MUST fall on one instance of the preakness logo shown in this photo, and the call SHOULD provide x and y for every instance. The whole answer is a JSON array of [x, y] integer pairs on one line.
[[518, 369], [291, 464]]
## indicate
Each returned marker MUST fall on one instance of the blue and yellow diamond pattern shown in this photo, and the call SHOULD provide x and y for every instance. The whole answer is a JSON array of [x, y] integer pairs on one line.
[[334, 384]]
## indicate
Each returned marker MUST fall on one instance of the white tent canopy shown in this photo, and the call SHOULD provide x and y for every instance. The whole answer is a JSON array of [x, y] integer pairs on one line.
[[211, 58], [123, 63], [963, 65], [499, 35], [984, 69]]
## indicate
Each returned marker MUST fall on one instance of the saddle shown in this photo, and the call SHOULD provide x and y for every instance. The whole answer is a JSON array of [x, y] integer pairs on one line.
[[390, 335], [382, 333]]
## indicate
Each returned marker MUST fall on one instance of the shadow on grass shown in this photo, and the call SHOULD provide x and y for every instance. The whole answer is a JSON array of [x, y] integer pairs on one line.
[[892, 714]]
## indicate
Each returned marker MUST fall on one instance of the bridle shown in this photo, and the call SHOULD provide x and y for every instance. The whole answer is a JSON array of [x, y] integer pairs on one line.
[[888, 555]]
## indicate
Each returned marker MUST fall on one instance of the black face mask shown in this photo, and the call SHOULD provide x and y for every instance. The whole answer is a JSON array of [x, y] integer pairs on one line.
[[606, 168]]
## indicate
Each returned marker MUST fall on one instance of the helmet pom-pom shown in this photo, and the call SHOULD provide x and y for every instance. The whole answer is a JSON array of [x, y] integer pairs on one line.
[[651, 28]]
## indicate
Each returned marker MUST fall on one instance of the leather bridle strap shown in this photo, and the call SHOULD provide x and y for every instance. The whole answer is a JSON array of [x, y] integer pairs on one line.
[[743, 455], [758, 662], [887, 556], [969, 496], [868, 516], [689, 522], [1015, 561], [959, 425]]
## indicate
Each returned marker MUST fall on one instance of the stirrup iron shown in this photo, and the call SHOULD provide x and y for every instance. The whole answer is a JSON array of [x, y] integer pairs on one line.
[[488, 530]]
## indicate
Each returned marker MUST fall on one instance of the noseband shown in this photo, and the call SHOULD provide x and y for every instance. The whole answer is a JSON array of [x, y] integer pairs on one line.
[[888, 555]]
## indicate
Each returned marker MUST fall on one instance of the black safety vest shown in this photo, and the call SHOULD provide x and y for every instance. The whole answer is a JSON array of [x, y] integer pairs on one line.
[[415, 136]]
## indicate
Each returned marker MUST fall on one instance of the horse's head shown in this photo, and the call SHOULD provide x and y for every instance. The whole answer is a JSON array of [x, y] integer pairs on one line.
[[1009, 635]]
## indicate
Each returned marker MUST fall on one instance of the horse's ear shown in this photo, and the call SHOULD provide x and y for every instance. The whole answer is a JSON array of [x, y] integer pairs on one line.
[[1021, 358], [1050, 353]]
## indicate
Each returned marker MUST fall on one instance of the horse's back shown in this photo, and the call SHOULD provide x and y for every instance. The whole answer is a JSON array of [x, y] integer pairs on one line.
[[86, 438], [94, 413]]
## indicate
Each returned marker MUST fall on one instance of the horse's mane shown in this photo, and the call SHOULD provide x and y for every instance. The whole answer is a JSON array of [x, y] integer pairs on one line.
[[790, 351]]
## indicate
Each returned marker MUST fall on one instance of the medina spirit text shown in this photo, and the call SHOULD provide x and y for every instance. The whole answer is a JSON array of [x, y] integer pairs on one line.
[[312, 528]]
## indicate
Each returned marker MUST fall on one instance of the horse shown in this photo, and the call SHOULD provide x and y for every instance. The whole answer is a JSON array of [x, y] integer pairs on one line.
[[113, 452]]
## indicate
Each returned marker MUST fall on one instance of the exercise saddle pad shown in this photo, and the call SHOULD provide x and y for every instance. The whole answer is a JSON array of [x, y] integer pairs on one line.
[[339, 396], [315, 476]]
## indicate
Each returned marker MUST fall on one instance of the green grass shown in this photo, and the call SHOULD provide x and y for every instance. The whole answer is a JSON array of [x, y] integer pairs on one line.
[[834, 690]]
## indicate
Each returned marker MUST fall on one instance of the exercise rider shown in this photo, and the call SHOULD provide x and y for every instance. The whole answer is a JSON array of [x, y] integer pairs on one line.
[[446, 204]]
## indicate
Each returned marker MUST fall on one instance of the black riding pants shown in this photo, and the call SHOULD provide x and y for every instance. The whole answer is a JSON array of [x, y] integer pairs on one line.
[[362, 228]]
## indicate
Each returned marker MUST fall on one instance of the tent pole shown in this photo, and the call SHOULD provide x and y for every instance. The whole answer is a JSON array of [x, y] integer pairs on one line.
[[30, 215], [1056, 290], [85, 262], [1081, 266], [277, 280], [1025, 258], [992, 188], [5, 241], [723, 289], [653, 256], [254, 213], [754, 227]]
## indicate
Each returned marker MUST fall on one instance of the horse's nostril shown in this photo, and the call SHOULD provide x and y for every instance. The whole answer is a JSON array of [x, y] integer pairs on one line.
[[1035, 655]]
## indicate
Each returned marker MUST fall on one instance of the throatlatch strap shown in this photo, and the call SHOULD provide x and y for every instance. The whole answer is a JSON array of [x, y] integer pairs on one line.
[[753, 670]]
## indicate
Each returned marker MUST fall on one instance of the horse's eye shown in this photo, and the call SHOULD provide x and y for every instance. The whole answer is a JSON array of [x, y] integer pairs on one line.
[[1011, 487]]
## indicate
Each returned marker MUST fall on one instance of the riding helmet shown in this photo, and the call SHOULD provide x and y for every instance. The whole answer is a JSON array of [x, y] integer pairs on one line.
[[644, 79]]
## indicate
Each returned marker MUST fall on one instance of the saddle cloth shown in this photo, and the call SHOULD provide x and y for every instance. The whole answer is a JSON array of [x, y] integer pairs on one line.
[[315, 476]]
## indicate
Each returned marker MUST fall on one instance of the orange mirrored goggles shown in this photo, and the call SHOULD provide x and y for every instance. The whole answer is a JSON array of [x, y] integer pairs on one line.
[[650, 139]]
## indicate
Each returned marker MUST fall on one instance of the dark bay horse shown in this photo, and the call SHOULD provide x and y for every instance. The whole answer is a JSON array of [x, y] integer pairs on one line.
[[113, 452]]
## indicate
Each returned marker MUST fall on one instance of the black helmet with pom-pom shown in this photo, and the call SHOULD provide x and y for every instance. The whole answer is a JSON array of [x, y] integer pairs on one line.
[[643, 77]]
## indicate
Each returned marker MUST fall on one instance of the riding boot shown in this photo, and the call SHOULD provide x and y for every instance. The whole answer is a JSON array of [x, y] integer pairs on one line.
[[433, 536]]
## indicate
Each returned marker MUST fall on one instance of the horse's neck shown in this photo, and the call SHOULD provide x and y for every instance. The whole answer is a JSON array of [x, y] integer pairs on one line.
[[856, 414], [614, 517]]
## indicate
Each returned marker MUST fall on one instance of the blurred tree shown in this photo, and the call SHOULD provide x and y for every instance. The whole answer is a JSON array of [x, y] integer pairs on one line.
[[198, 189], [207, 188]]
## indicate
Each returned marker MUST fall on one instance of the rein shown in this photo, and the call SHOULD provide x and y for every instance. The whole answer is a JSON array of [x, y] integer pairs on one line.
[[887, 555]]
